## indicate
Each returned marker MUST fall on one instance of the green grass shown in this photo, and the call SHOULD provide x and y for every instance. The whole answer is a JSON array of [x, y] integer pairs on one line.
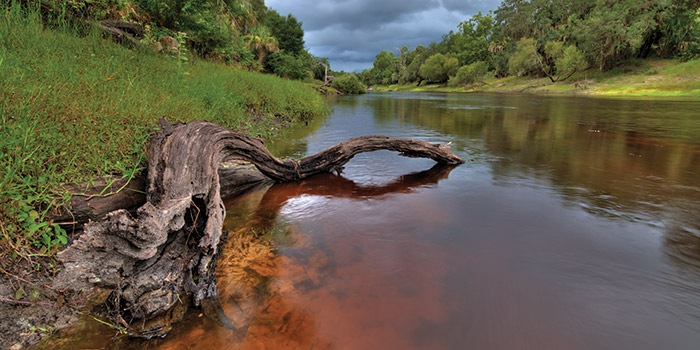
[[684, 69], [75, 107], [660, 78]]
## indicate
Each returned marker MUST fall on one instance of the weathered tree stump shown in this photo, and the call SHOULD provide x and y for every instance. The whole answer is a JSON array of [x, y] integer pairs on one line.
[[94, 200], [165, 256]]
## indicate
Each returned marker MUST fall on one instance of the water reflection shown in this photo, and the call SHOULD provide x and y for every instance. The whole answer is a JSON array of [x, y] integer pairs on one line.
[[581, 232], [259, 289], [633, 159]]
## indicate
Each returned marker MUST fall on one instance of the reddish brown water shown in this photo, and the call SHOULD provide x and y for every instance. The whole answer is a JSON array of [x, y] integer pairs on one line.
[[575, 226]]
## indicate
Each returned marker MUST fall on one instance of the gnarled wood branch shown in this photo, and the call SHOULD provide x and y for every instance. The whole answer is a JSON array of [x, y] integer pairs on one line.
[[169, 249]]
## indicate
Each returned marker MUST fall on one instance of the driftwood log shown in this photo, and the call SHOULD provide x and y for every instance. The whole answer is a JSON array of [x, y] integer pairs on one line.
[[164, 257], [95, 199]]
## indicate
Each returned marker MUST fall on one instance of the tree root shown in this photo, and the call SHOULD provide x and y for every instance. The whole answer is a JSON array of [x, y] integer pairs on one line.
[[167, 252]]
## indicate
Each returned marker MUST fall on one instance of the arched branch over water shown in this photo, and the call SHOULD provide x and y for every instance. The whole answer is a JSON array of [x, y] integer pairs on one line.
[[169, 249]]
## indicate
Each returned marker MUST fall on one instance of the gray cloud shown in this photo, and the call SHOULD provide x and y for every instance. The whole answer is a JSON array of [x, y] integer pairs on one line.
[[351, 32], [350, 14], [470, 7]]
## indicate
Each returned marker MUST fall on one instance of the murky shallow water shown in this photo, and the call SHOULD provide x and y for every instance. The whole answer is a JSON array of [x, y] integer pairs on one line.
[[574, 226]]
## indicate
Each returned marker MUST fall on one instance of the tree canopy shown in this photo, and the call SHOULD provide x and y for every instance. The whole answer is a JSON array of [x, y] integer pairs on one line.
[[549, 38]]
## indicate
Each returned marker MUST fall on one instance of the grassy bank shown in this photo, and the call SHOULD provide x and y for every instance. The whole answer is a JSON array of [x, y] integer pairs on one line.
[[662, 78], [75, 107]]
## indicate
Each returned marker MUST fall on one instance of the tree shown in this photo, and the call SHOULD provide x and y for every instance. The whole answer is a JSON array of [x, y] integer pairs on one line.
[[349, 84], [472, 41], [287, 31], [261, 42], [414, 60], [385, 68], [439, 68], [525, 60], [321, 67], [403, 52], [287, 65], [469, 74], [566, 60]]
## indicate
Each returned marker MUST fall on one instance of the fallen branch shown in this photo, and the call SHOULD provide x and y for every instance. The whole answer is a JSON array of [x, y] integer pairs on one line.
[[169, 249], [120, 35]]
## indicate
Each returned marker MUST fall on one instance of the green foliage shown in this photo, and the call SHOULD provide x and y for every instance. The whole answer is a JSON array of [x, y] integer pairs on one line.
[[72, 109], [563, 61], [469, 74], [230, 31], [262, 43], [682, 30], [513, 39], [607, 32], [439, 68], [289, 66], [471, 43], [385, 69], [287, 30], [209, 24], [320, 67], [571, 61], [525, 59], [413, 62], [291, 61], [349, 84], [25, 185]]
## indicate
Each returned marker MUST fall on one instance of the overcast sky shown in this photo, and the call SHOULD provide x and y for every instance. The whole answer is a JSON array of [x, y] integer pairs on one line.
[[351, 32]]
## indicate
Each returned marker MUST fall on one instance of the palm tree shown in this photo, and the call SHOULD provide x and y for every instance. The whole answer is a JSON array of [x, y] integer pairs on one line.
[[261, 41]]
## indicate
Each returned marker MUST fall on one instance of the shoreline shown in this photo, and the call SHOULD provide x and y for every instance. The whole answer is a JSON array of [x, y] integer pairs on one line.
[[28, 324], [639, 78]]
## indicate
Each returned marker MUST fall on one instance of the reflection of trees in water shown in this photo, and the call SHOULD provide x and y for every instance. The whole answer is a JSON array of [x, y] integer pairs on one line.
[[682, 244], [249, 266], [633, 160], [292, 142], [340, 187]]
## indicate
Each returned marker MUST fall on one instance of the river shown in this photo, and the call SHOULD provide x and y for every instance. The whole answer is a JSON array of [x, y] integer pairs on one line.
[[574, 225]]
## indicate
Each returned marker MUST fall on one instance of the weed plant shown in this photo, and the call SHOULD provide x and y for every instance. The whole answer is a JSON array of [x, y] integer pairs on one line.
[[75, 106]]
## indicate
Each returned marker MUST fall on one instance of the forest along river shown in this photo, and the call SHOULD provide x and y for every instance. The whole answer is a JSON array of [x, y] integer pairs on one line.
[[574, 225]]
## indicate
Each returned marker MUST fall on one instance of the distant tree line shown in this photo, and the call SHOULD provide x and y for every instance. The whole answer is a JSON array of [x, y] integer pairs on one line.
[[546, 38]]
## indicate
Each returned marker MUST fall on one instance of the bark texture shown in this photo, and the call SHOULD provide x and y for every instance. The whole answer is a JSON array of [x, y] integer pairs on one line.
[[94, 200], [158, 258]]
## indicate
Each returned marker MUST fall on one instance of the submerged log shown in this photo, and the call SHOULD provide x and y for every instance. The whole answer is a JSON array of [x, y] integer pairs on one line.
[[165, 255]]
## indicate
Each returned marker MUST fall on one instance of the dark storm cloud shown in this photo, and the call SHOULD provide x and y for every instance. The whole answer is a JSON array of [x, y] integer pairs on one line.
[[351, 32], [351, 14], [470, 7]]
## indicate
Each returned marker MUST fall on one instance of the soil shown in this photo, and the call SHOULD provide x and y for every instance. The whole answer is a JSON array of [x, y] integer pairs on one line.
[[31, 310], [261, 308], [148, 260]]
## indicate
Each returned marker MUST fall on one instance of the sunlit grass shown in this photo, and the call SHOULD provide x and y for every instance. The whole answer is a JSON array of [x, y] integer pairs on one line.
[[659, 77], [684, 69]]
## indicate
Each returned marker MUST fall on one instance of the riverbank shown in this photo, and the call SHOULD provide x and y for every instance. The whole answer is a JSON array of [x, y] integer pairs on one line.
[[77, 107], [653, 78]]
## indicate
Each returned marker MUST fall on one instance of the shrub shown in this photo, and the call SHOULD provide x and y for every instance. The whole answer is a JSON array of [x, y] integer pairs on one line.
[[524, 61], [439, 68], [469, 74], [349, 84], [286, 65]]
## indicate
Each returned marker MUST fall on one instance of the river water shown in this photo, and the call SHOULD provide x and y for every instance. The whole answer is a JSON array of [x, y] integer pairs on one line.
[[575, 224]]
